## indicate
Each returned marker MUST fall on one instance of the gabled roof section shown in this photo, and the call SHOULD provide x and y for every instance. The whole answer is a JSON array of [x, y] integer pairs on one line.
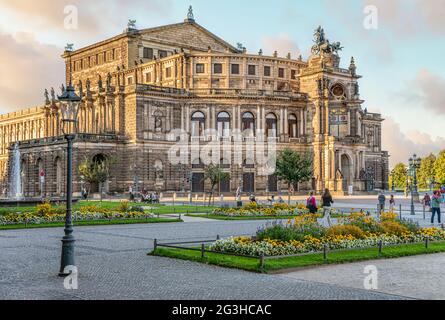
[[190, 35]]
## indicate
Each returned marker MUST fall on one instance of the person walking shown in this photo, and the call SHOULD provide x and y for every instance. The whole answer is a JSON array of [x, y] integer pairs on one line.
[[435, 206], [382, 201], [311, 203], [327, 203], [392, 203]]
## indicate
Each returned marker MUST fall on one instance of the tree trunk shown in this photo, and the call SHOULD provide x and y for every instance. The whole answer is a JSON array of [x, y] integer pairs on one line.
[[288, 194]]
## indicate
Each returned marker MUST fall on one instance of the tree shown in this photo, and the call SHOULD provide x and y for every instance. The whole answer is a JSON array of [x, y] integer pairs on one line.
[[216, 175], [293, 168], [425, 174], [95, 171], [399, 176], [439, 168]]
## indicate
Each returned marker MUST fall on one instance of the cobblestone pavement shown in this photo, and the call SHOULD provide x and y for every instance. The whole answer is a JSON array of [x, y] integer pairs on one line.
[[419, 277], [113, 264]]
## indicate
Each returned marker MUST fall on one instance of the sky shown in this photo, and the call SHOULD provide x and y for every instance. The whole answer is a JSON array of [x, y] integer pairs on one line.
[[400, 58]]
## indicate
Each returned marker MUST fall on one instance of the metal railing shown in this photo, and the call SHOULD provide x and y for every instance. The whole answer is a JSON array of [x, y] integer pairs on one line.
[[200, 246]]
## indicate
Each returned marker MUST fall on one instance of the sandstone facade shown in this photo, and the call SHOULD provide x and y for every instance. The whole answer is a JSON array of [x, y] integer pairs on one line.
[[138, 87]]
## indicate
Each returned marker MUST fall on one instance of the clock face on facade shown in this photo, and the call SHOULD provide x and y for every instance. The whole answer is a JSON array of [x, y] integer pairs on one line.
[[338, 91]]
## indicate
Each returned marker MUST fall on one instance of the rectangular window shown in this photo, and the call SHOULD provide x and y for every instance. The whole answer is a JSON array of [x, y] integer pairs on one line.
[[97, 59], [200, 68], [235, 68], [113, 54], [281, 73], [266, 71], [252, 70], [105, 57], [130, 80], [168, 72], [293, 74], [162, 54], [217, 68], [148, 53], [148, 77]]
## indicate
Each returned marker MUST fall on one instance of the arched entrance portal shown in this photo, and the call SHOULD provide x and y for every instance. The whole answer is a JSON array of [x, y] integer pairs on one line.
[[346, 171], [95, 187]]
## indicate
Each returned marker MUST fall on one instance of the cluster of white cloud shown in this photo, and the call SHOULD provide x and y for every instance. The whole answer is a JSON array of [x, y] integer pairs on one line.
[[29, 66]]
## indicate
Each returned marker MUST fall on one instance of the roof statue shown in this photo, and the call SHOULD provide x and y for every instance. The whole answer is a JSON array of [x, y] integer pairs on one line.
[[322, 45], [46, 94], [69, 47], [131, 24], [190, 16]]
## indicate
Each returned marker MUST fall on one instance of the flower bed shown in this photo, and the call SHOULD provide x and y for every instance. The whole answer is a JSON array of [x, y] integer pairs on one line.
[[46, 214], [254, 210], [304, 235]]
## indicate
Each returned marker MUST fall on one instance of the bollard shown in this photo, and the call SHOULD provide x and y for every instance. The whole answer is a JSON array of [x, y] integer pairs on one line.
[[325, 252], [155, 244], [262, 261], [202, 251], [180, 216], [423, 212], [427, 240], [400, 211], [380, 247]]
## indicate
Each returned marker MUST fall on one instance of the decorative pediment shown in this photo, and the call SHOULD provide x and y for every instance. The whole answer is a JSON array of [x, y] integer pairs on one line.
[[188, 35]]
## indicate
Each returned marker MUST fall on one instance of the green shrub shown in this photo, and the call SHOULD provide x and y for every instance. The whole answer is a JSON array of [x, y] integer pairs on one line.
[[137, 209]]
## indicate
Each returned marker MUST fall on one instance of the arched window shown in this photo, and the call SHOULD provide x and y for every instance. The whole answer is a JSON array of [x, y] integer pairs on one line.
[[271, 126], [198, 124], [248, 123], [224, 163], [293, 126], [197, 164], [249, 163], [223, 124]]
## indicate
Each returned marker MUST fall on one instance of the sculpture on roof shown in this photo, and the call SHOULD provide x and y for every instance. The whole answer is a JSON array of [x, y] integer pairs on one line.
[[190, 16], [322, 45], [131, 24]]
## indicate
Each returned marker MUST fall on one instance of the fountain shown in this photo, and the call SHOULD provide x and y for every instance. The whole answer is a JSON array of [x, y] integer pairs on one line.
[[15, 181]]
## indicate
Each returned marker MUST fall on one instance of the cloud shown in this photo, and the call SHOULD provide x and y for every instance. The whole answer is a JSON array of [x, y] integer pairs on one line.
[[408, 18], [282, 43], [402, 146], [28, 67], [430, 89], [94, 17]]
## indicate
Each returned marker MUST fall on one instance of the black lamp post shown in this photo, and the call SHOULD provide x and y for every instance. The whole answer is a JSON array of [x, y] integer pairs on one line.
[[68, 104], [414, 164]]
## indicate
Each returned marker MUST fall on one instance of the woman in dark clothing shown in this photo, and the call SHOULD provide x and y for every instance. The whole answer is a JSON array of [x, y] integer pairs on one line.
[[327, 202]]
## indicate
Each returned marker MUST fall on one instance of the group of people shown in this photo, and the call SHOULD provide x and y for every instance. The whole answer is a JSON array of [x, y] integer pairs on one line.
[[327, 201], [149, 197], [431, 203]]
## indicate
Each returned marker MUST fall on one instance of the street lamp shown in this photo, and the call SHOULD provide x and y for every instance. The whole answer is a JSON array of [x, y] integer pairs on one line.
[[414, 164], [68, 104]]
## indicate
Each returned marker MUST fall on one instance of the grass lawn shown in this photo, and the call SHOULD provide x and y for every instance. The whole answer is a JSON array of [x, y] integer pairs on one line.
[[180, 209], [161, 209], [89, 223], [222, 217], [275, 265]]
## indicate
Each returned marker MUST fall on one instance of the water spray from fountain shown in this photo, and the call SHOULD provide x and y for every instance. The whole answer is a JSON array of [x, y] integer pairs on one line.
[[15, 190]]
